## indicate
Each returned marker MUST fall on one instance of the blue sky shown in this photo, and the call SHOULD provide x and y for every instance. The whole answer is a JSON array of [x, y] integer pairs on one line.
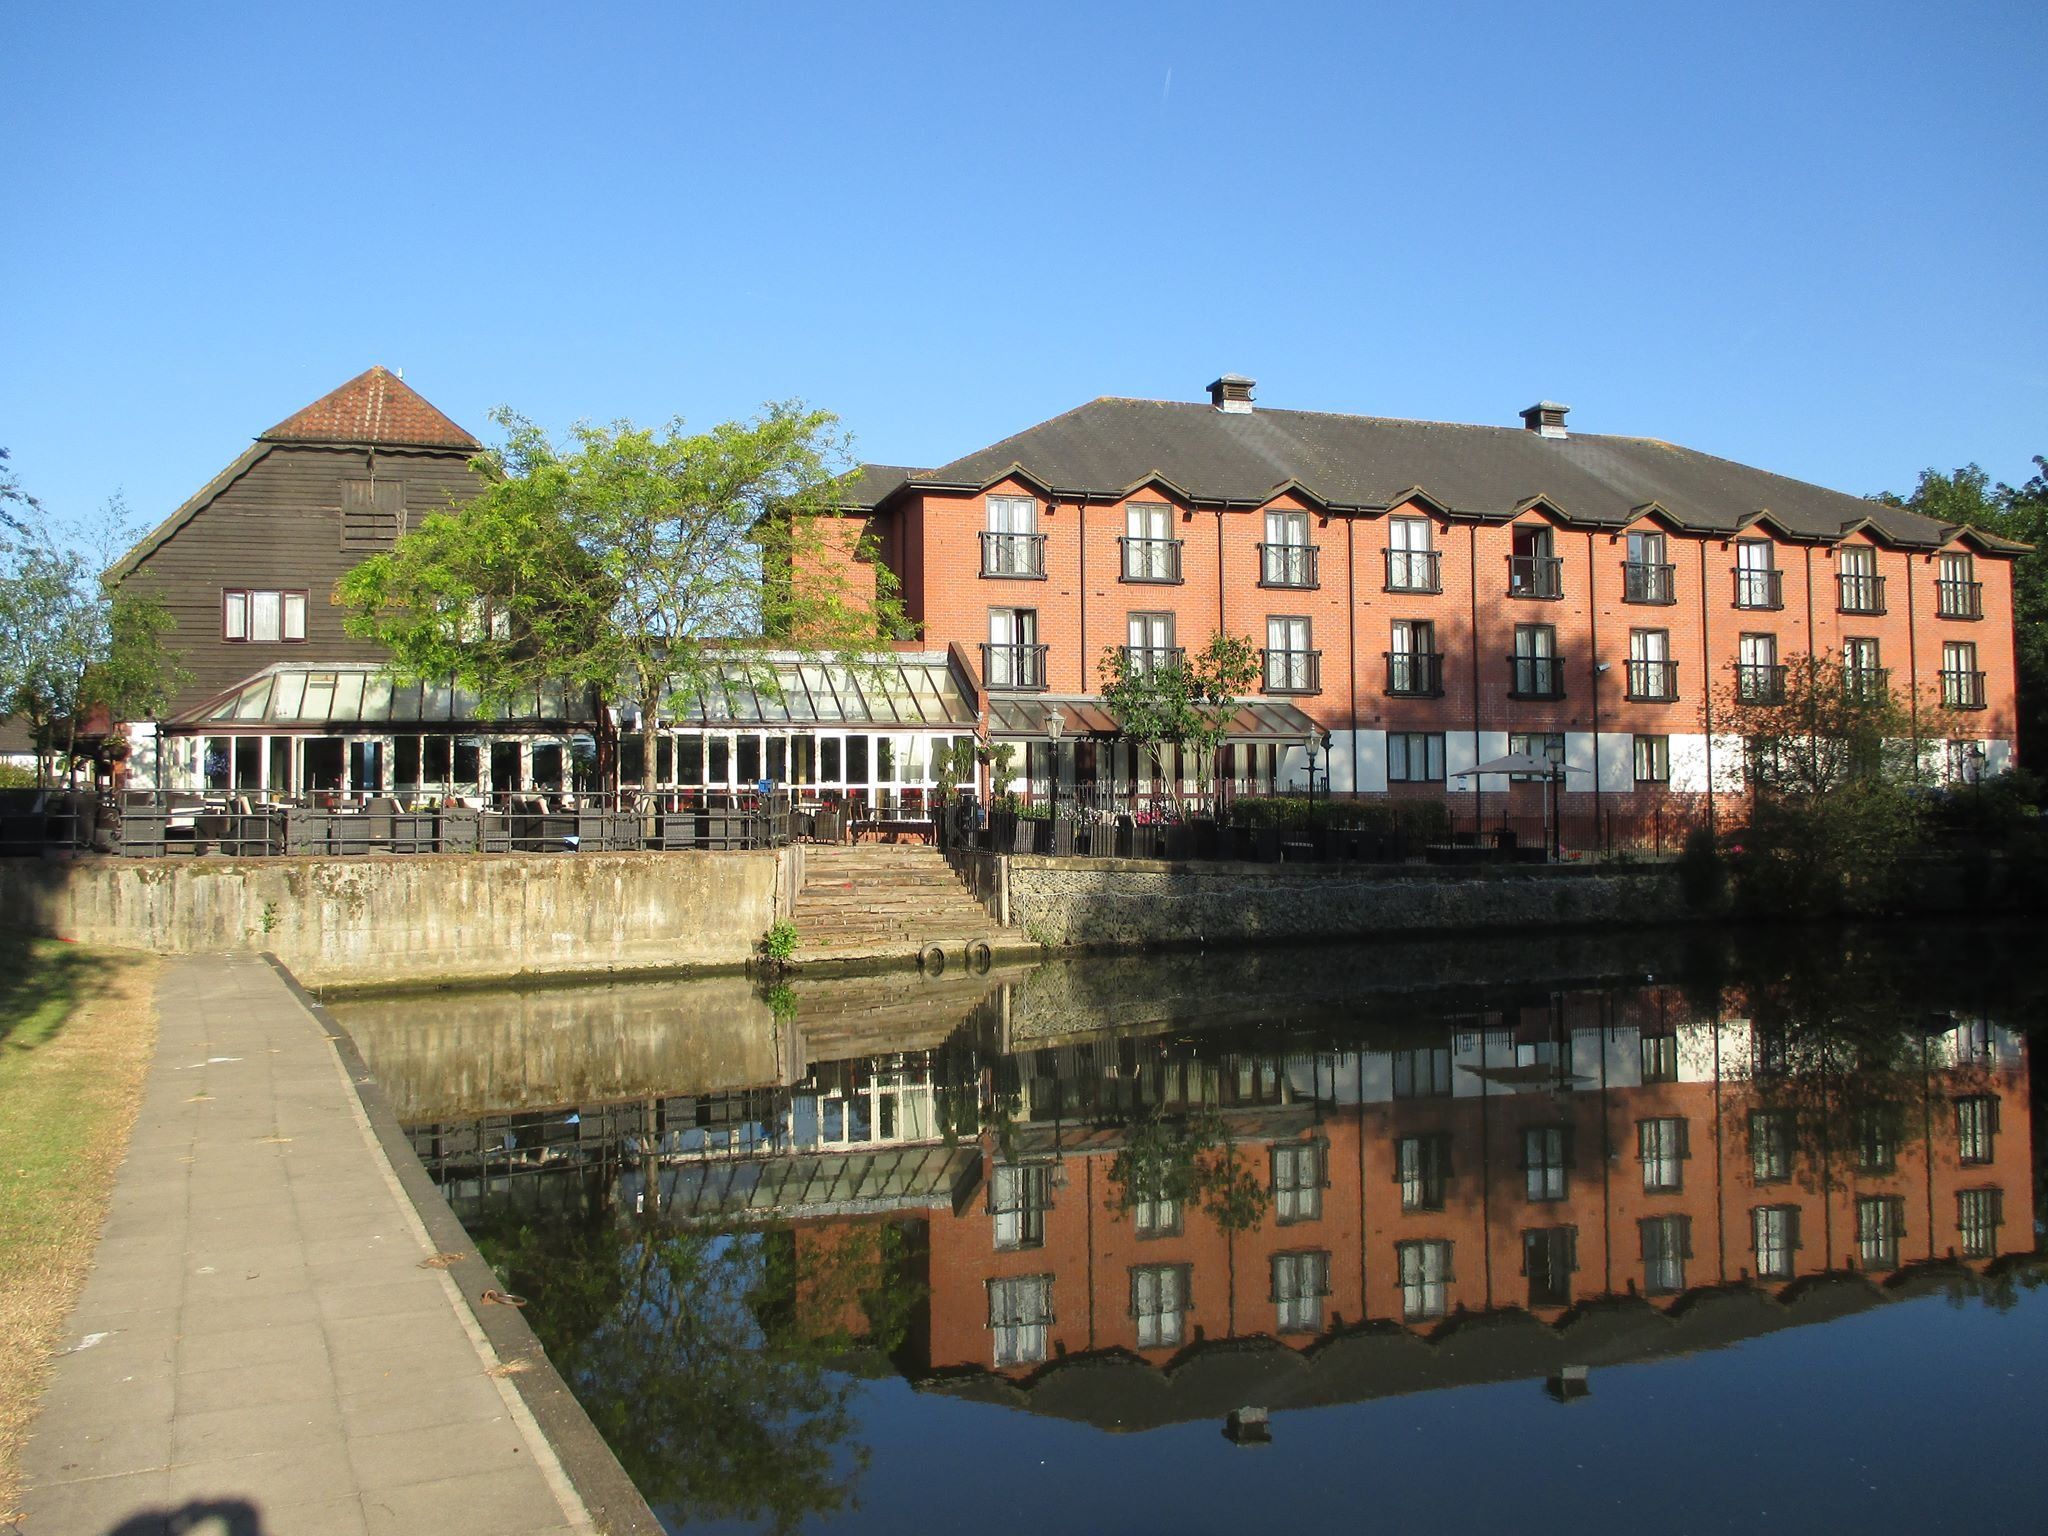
[[1809, 237]]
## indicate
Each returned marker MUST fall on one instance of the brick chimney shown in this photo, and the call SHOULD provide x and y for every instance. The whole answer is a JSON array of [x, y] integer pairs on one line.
[[1232, 393], [1545, 418]]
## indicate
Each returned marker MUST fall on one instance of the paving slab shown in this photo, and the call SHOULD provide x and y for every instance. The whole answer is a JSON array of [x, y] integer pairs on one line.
[[258, 1347]]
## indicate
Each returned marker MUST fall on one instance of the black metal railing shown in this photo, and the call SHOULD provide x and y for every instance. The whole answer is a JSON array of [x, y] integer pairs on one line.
[[1019, 556], [1866, 685], [1535, 576], [1961, 689], [1859, 594], [1288, 565], [1652, 680], [1143, 660], [1959, 599], [1415, 570], [1759, 682], [1536, 677], [330, 824], [1759, 587], [1150, 559], [1019, 667], [1293, 671], [1415, 674], [1644, 582]]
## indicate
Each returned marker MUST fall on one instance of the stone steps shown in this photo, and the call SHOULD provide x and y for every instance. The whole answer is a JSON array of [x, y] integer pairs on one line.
[[877, 901]]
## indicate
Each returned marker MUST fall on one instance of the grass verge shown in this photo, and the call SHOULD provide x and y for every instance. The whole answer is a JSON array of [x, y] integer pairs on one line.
[[76, 1027]]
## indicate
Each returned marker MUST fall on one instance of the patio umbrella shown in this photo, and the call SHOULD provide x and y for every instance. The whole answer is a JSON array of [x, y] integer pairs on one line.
[[1552, 773]]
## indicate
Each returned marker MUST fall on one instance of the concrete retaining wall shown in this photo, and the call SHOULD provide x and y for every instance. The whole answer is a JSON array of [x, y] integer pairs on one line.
[[416, 920], [1131, 902]]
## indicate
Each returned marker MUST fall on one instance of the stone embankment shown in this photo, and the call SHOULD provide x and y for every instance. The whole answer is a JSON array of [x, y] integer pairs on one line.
[[392, 921], [1132, 903]]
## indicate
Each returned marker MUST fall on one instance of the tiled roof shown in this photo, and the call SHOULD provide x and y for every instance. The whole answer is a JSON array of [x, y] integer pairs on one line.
[[376, 407], [1110, 447]]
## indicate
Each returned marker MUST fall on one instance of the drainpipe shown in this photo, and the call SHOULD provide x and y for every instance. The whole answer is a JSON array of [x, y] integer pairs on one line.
[[1472, 579], [1351, 633], [1913, 668], [1081, 521], [1809, 603], [1707, 691], [1592, 672]]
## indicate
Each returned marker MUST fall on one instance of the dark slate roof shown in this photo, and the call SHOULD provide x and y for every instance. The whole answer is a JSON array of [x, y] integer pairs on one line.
[[872, 484], [1111, 446]]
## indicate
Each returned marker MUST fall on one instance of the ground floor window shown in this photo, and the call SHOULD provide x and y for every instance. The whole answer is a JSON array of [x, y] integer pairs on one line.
[[1019, 1315]]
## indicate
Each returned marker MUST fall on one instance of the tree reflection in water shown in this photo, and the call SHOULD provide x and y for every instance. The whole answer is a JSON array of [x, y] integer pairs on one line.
[[719, 1365]]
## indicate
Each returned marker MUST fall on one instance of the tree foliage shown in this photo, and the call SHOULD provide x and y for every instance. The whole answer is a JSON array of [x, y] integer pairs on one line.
[[1969, 496], [70, 646], [1193, 1161], [642, 564], [1832, 764], [1186, 702]]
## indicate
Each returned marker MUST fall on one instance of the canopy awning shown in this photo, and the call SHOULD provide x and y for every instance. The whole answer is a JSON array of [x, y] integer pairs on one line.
[[1013, 719], [1529, 763]]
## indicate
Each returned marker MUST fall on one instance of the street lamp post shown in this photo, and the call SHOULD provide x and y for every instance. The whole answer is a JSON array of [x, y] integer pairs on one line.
[[1055, 729]]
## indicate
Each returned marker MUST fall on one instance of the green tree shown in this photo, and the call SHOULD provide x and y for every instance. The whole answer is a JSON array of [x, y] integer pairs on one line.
[[1969, 496], [68, 644], [640, 564], [1832, 764], [1186, 703]]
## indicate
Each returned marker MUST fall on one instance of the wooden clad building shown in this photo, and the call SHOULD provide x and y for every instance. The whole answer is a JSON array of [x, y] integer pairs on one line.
[[247, 566]]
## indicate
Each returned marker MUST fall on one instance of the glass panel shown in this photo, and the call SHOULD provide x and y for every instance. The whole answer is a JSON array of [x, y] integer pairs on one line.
[[288, 695], [376, 698], [348, 698], [255, 699], [319, 703]]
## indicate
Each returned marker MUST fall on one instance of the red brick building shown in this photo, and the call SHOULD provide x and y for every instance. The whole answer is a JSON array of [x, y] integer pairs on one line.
[[1434, 596]]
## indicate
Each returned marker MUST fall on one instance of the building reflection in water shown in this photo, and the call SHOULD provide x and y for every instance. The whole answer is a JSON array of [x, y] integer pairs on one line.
[[1139, 1226]]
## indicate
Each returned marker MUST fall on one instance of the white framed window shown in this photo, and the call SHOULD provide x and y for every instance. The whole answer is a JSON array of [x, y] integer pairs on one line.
[[1018, 1198], [1976, 1128], [1159, 1302], [1771, 1142], [263, 616], [1415, 757], [1298, 1181], [1546, 1161], [1979, 1214], [1425, 1270], [1662, 1147], [1012, 515], [1666, 1245], [1653, 759], [1156, 1215], [1019, 1317], [1300, 1282], [1880, 1224], [1774, 1239], [1422, 1165]]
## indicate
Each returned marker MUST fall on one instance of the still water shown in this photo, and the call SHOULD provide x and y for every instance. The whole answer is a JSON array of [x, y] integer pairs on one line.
[[1693, 1233]]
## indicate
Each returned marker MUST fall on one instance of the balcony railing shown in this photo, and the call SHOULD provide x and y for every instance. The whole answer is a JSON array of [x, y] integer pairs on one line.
[[1151, 559], [1017, 555], [1293, 671], [1961, 689], [1414, 570], [1860, 594], [1759, 587], [1288, 565], [1415, 674], [1759, 682], [1144, 660], [1643, 582], [1866, 685], [1018, 667], [1652, 680], [1959, 599], [1535, 576], [1536, 677]]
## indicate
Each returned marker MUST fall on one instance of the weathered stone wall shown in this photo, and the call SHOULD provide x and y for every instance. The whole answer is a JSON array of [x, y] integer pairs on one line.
[[395, 920], [1129, 902]]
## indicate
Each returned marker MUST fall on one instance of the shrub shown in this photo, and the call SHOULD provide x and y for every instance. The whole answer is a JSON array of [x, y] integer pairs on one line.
[[779, 943], [1702, 872]]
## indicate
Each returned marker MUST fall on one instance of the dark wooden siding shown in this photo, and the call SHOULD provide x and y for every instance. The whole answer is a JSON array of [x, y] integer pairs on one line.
[[279, 526]]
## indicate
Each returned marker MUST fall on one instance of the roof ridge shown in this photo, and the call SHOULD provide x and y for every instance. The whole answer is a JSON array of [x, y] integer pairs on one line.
[[377, 408]]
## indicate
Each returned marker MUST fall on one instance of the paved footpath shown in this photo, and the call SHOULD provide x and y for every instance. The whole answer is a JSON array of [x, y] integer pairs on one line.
[[259, 1351]]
